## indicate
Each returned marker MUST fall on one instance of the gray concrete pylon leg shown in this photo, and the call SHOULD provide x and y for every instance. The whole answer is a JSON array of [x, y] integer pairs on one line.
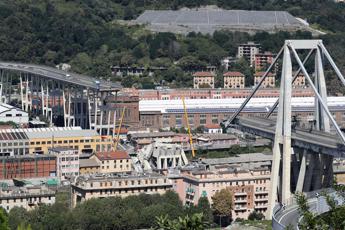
[[287, 150], [309, 172], [294, 167], [65, 116], [277, 153], [317, 172], [327, 161], [21, 91], [302, 171]]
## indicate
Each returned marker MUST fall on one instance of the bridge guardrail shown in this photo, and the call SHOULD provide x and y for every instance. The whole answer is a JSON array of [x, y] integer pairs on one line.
[[275, 223]]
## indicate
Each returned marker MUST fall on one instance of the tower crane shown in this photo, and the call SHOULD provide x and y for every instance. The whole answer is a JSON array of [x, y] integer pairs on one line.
[[188, 127]]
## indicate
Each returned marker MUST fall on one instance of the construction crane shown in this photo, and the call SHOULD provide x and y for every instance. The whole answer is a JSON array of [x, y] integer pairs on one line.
[[119, 129], [188, 127]]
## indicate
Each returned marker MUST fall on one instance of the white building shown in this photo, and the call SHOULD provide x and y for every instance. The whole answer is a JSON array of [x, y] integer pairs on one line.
[[67, 161], [213, 128], [248, 51], [11, 113]]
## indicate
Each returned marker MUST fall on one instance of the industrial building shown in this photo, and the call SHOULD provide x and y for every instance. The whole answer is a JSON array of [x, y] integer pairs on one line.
[[9, 113], [201, 112], [39, 140], [97, 186], [219, 93], [27, 166]]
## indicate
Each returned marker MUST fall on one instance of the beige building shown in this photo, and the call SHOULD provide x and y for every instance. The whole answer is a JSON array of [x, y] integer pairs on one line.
[[269, 81], [203, 80], [300, 80], [86, 188], [26, 197], [113, 162], [246, 176], [83, 140], [89, 166], [233, 80]]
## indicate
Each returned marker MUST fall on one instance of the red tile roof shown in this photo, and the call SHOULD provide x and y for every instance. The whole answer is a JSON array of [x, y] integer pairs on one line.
[[203, 74], [262, 73], [233, 74], [212, 126], [113, 155]]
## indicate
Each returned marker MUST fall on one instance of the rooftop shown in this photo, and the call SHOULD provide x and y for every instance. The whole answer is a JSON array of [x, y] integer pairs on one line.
[[113, 155], [203, 74], [152, 135], [241, 158], [233, 74], [84, 163]]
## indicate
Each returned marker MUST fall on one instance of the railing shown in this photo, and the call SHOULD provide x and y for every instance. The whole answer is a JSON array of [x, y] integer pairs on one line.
[[275, 223]]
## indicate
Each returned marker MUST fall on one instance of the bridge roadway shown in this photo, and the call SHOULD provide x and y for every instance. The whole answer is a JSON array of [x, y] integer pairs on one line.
[[60, 75], [290, 215], [314, 140]]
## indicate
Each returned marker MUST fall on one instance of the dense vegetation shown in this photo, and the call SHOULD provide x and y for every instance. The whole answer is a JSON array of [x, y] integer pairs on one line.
[[87, 35], [133, 212], [334, 219]]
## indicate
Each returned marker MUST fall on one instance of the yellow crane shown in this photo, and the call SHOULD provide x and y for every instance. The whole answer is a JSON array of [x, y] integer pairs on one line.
[[188, 127], [119, 129]]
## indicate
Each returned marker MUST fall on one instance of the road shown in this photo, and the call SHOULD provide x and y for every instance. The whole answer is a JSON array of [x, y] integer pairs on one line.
[[60, 75], [314, 137]]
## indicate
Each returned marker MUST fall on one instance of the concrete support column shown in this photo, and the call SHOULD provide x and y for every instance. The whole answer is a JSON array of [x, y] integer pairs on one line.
[[302, 170]]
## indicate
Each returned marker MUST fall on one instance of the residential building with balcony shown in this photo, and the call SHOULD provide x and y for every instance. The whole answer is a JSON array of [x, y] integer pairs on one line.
[[248, 51], [26, 197], [247, 176], [67, 162], [203, 80], [113, 161], [269, 82], [111, 185], [233, 80]]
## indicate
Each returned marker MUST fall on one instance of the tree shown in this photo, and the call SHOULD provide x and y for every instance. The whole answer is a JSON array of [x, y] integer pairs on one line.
[[3, 220], [256, 216], [222, 204], [194, 222], [205, 207]]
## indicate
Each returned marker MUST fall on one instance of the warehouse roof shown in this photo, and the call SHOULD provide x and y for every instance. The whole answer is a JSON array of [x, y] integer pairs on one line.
[[231, 105], [57, 132]]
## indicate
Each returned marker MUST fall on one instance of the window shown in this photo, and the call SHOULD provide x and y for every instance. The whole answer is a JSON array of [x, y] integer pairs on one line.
[[215, 118], [178, 121], [202, 119], [8, 115], [18, 115]]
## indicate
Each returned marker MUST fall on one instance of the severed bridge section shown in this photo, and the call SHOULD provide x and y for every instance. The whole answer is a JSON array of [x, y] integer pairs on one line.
[[302, 158], [62, 98]]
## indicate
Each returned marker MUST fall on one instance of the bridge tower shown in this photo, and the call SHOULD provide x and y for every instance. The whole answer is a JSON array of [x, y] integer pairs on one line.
[[298, 169]]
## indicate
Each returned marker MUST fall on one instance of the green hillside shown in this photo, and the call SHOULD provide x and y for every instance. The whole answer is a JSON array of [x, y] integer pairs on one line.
[[85, 33]]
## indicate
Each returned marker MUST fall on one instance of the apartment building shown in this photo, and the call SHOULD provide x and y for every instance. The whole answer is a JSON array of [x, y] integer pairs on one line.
[[233, 80], [300, 80], [263, 60], [246, 176], [269, 82], [89, 166], [93, 186], [67, 161], [26, 197], [248, 51], [113, 162], [203, 80], [27, 166]]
